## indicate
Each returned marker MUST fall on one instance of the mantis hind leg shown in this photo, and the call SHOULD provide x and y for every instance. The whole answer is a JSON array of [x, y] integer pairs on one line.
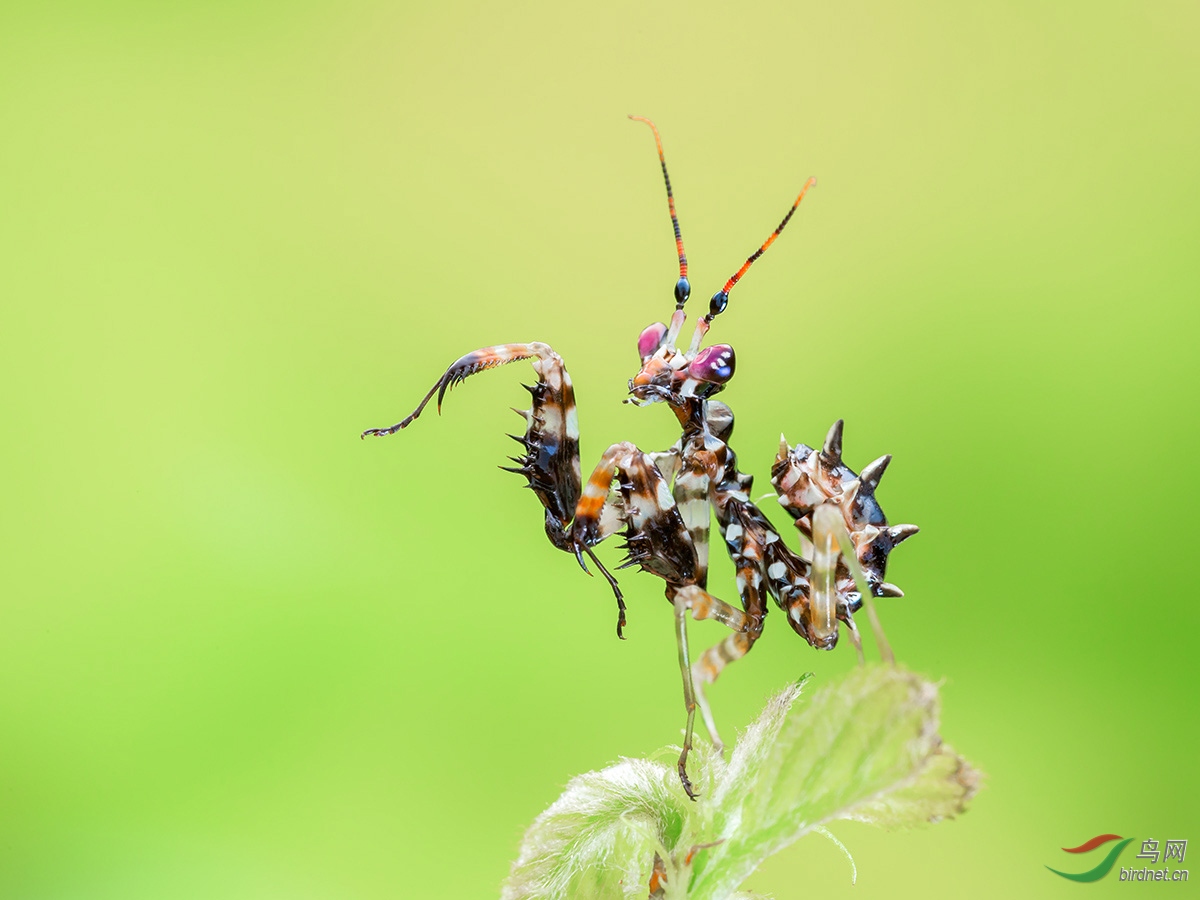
[[711, 663], [714, 660]]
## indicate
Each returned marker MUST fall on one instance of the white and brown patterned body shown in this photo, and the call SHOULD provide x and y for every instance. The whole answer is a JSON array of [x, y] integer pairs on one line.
[[664, 502]]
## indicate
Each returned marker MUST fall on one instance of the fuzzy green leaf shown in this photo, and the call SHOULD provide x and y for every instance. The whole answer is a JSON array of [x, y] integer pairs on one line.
[[599, 838]]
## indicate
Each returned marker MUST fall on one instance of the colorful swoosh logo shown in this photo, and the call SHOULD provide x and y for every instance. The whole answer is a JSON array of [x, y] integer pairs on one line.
[[1106, 864]]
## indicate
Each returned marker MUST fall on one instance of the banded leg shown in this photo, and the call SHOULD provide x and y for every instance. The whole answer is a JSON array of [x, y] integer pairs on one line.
[[744, 530], [702, 605]]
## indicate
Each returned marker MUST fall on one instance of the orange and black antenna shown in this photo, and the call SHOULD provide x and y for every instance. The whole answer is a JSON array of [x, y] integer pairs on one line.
[[720, 299], [683, 287]]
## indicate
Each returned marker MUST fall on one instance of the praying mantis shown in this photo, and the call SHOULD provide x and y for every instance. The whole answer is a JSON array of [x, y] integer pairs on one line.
[[663, 503]]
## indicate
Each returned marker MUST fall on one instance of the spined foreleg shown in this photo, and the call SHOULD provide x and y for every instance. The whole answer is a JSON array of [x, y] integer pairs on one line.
[[551, 439], [656, 538]]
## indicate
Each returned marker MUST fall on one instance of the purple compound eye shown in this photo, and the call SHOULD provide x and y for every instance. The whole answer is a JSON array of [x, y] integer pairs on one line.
[[714, 364], [650, 339]]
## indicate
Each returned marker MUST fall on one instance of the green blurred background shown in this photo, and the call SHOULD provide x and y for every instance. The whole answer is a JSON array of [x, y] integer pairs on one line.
[[245, 655]]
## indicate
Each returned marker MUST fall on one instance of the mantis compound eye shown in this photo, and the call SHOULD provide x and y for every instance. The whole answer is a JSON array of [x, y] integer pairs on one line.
[[713, 365], [650, 340]]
